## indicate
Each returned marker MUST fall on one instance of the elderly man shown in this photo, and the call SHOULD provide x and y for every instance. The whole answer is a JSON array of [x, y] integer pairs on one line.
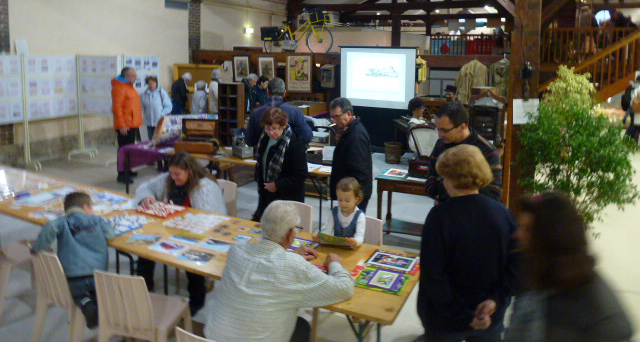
[[180, 94], [296, 117], [264, 285], [249, 82], [127, 110], [352, 156], [452, 123]]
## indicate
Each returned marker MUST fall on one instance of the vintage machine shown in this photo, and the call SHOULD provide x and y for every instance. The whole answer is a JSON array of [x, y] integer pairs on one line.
[[198, 136], [240, 148]]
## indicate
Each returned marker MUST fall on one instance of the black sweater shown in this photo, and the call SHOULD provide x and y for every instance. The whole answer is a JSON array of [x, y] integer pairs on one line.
[[352, 158], [467, 256]]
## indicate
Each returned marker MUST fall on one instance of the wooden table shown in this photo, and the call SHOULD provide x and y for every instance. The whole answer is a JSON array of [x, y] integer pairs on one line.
[[403, 185], [310, 108]]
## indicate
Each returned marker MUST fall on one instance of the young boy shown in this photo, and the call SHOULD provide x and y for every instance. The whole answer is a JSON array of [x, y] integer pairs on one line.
[[82, 247]]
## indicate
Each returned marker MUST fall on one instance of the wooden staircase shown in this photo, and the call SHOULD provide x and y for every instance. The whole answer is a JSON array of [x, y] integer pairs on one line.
[[612, 67]]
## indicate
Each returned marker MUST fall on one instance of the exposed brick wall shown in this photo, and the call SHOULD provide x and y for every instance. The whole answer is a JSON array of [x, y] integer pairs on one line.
[[194, 26], [5, 42], [6, 135]]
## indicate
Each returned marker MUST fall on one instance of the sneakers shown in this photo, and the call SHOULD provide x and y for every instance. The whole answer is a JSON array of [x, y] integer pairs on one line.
[[121, 179], [90, 311]]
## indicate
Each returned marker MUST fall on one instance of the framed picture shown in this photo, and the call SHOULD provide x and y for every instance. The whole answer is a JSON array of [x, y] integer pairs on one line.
[[241, 67], [266, 67], [299, 73], [391, 261]]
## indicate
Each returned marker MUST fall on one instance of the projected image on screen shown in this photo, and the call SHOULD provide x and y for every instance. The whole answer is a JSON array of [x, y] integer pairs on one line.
[[378, 77]]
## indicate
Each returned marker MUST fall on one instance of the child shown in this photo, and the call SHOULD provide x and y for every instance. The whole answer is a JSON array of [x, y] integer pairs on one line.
[[347, 220], [199, 101], [82, 247]]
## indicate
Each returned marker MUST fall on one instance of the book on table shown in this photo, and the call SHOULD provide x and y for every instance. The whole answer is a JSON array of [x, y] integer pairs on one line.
[[327, 239]]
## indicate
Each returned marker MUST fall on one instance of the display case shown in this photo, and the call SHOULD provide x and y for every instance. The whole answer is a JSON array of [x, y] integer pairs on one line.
[[232, 108]]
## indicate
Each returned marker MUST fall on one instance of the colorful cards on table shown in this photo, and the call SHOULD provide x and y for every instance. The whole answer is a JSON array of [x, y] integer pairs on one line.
[[394, 262], [196, 256], [170, 247], [298, 242], [162, 210], [143, 239], [215, 245], [381, 280], [327, 239]]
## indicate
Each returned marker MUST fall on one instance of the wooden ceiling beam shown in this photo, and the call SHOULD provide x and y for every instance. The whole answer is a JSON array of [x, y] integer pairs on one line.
[[599, 7], [550, 12], [400, 7], [423, 17], [507, 5]]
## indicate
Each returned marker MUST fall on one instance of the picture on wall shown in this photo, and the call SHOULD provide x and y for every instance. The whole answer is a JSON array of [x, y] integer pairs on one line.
[[266, 67], [299, 73], [241, 67]]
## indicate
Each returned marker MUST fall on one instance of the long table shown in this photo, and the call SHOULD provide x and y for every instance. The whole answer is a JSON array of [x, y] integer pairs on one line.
[[365, 309]]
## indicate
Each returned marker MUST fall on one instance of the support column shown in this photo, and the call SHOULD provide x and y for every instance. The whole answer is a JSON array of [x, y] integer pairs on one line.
[[396, 29], [194, 27], [525, 46], [5, 41]]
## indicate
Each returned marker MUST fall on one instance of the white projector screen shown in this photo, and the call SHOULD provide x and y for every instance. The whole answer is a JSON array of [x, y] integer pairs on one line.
[[378, 77]]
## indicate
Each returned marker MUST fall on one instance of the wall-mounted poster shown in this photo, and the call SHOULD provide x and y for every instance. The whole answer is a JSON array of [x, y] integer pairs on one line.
[[241, 67], [266, 68], [299, 73]]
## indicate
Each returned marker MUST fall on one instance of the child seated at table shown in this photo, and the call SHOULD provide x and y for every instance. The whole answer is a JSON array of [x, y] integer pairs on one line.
[[346, 219], [82, 248]]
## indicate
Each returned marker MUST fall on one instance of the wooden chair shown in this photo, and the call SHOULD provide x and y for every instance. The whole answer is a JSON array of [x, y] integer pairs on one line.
[[306, 213], [184, 336], [53, 289], [373, 233], [128, 309], [230, 193], [11, 257]]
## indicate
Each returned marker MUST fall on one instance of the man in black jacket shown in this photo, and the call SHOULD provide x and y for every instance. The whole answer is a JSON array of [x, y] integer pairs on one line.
[[352, 156], [180, 94], [452, 123]]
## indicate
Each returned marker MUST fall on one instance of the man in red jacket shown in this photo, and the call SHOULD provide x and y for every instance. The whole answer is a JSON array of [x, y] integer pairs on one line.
[[127, 110]]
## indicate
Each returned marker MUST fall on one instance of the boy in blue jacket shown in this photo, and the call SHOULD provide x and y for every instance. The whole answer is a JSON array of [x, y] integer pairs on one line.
[[82, 247]]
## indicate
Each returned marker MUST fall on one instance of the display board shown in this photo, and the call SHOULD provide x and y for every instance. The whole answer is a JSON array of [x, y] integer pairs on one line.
[[145, 65], [95, 74], [11, 101], [51, 85]]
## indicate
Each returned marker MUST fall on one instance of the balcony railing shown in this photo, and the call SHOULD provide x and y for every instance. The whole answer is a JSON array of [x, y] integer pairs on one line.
[[572, 46], [470, 44]]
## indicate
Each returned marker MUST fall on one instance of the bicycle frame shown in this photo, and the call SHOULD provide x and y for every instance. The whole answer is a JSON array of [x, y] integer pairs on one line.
[[304, 28]]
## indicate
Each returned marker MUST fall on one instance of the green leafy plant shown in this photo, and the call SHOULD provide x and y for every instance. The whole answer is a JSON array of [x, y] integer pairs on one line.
[[568, 146]]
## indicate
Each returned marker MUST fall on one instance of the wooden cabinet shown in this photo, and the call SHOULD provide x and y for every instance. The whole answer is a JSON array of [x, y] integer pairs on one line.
[[232, 107]]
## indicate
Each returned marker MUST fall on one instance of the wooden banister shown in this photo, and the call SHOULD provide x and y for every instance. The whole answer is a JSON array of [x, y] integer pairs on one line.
[[571, 46]]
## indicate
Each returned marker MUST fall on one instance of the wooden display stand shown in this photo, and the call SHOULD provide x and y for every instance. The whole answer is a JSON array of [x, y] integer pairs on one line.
[[232, 104]]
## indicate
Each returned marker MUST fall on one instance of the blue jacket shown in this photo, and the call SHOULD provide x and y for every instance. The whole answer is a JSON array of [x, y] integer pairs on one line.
[[296, 121], [155, 104], [82, 242]]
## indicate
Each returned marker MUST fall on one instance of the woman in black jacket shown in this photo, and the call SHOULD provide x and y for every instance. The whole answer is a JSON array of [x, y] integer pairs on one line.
[[282, 162]]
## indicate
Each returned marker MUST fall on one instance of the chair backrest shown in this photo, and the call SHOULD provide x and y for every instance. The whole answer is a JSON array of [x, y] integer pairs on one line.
[[424, 139], [230, 194], [50, 278], [125, 306], [306, 213], [373, 232], [185, 336]]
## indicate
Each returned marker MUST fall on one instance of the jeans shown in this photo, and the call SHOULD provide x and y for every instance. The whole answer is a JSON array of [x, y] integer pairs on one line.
[[83, 292], [150, 131]]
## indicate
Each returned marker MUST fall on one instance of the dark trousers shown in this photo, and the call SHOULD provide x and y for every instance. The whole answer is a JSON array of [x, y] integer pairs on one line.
[[177, 108], [150, 131], [83, 292], [130, 138], [196, 287], [302, 333]]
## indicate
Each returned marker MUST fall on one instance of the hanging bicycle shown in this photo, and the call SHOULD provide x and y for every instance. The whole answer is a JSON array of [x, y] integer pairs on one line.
[[316, 27]]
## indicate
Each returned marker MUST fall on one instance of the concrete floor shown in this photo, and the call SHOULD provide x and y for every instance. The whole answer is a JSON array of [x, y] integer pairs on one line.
[[616, 250]]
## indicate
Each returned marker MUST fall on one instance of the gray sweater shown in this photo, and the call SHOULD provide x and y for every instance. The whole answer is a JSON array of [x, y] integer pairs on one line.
[[206, 196]]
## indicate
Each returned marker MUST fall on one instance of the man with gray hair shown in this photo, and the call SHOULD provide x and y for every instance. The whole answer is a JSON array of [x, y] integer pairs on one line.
[[296, 117], [249, 82], [264, 285], [180, 93]]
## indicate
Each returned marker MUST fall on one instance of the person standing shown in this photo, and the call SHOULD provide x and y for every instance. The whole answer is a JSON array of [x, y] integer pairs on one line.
[[352, 156], [156, 103], [259, 92], [199, 100], [249, 82], [180, 94], [127, 110], [213, 91]]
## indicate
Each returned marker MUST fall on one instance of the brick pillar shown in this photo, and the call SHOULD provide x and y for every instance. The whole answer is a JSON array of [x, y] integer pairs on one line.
[[6, 135], [194, 27], [5, 42]]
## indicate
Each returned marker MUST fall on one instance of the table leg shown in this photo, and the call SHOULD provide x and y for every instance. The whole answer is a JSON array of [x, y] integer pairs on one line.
[[127, 171], [380, 192], [166, 280], [361, 328], [314, 325], [389, 198]]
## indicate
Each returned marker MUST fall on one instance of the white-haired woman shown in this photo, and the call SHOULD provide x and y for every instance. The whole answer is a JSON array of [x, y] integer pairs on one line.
[[213, 91]]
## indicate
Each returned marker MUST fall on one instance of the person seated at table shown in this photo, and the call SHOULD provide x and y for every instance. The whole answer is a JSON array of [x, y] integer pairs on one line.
[[450, 93], [264, 285], [416, 107], [282, 162], [82, 248], [347, 220], [467, 255], [187, 184], [565, 298]]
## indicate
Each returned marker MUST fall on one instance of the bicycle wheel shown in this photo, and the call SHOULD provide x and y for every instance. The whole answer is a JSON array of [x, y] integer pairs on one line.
[[320, 45]]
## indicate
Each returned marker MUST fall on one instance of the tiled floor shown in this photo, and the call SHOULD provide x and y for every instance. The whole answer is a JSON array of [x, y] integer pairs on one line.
[[616, 249]]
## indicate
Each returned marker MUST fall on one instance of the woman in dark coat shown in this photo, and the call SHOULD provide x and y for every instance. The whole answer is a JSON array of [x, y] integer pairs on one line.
[[282, 162]]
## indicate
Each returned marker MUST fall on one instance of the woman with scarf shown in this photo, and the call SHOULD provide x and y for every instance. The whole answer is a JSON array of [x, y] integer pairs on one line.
[[187, 184], [282, 162], [566, 299]]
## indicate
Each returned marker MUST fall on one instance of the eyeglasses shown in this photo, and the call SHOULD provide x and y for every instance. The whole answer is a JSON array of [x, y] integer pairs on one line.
[[446, 131], [273, 129], [298, 229], [334, 117]]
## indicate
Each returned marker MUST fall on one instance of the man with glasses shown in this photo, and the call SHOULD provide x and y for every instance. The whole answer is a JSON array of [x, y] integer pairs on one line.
[[352, 156], [452, 123]]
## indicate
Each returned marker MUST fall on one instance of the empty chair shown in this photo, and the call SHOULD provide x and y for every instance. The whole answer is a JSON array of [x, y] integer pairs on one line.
[[11, 257], [230, 194], [373, 232], [128, 309], [53, 289], [306, 213], [184, 336]]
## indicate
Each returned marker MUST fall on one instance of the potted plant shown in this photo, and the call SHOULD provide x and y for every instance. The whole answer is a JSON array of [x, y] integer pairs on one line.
[[569, 146]]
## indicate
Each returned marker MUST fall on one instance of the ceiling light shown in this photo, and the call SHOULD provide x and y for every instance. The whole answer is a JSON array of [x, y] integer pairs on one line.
[[461, 20], [488, 8], [377, 13], [504, 20], [437, 11]]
